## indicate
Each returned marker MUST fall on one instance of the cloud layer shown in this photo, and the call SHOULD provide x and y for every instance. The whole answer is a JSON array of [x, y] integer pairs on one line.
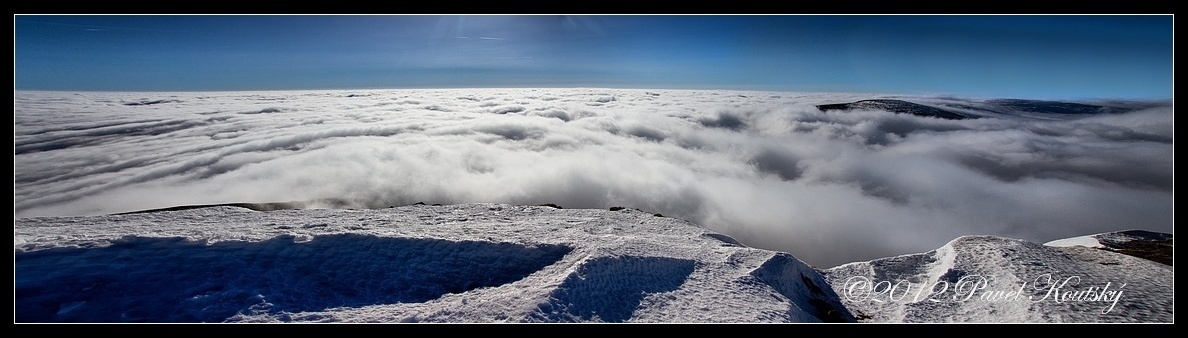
[[768, 168]]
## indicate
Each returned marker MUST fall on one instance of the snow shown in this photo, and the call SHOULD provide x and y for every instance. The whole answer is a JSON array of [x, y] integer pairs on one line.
[[501, 263], [1113, 239], [990, 279], [1085, 241], [456, 263], [773, 189]]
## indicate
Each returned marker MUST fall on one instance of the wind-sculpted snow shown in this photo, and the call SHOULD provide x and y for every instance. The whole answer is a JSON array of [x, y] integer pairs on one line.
[[990, 279], [418, 263], [608, 289], [769, 169], [146, 279], [809, 292]]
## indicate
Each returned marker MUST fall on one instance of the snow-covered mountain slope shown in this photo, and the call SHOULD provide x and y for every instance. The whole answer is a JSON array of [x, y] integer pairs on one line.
[[419, 263], [1151, 245], [995, 279], [896, 106], [959, 109]]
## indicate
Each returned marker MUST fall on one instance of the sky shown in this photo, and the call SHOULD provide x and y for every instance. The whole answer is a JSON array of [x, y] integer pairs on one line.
[[498, 263], [1018, 56]]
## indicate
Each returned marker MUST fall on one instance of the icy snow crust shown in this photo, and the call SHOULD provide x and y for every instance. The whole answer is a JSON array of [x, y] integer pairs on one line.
[[419, 263]]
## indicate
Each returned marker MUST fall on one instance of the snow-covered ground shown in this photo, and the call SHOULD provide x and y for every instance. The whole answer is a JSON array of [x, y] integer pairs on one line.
[[989, 279], [767, 168], [418, 263], [497, 263], [1089, 241], [1111, 240]]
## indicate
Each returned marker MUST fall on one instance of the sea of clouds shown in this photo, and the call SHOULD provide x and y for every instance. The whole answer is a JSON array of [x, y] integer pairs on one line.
[[767, 168]]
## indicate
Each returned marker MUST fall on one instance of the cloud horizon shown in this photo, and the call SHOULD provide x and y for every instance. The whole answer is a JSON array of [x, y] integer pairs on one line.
[[768, 168]]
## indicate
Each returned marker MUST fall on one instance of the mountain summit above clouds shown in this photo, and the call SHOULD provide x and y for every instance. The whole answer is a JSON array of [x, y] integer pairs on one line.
[[989, 279], [470, 263], [960, 109], [418, 263]]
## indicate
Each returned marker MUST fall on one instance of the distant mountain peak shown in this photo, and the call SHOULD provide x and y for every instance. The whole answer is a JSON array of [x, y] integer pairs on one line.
[[896, 106], [1154, 246]]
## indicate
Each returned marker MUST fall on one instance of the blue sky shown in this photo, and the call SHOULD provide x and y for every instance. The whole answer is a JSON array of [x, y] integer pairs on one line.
[[1046, 57]]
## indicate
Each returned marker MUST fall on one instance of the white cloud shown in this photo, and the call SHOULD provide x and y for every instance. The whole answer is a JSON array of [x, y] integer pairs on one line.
[[767, 168]]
